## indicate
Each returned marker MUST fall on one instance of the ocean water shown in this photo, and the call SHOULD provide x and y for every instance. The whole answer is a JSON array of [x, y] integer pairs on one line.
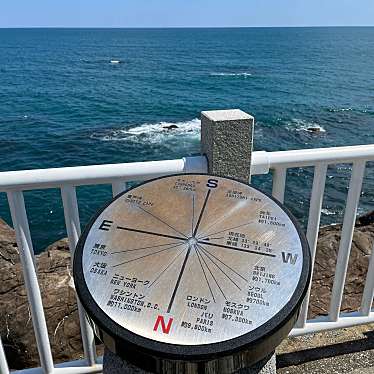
[[62, 103]]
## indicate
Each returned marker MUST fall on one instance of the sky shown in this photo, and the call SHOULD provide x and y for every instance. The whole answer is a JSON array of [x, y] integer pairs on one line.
[[185, 13]]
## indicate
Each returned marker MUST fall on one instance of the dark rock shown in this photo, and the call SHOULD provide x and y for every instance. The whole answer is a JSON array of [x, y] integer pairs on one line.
[[56, 285], [366, 219], [170, 127], [8, 245], [314, 129], [324, 268]]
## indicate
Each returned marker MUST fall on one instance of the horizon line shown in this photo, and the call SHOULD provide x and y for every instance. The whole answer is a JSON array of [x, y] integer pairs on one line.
[[179, 27]]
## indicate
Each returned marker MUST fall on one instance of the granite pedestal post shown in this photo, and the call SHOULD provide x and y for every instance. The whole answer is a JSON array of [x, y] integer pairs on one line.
[[226, 141]]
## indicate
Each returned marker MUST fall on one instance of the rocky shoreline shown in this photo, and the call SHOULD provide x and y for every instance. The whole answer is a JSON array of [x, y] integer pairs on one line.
[[57, 288]]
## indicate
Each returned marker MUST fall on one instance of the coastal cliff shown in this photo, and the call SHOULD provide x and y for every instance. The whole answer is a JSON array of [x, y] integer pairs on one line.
[[57, 288]]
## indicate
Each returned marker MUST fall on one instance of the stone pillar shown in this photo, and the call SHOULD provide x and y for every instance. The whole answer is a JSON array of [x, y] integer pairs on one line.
[[226, 140]]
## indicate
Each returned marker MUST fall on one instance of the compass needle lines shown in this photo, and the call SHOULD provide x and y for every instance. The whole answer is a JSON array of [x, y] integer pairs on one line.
[[150, 233], [161, 220], [210, 272], [150, 254], [138, 249], [206, 278], [201, 213], [166, 268], [193, 213], [230, 228], [219, 220], [229, 267], [218, 267], [179, 279]]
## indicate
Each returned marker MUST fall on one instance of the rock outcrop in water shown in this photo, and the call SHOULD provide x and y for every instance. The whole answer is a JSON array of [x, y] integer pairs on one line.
[[54, 272], [170, 127]]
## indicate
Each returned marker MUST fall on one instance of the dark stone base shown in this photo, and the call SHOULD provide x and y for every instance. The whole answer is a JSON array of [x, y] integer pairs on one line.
[[113, 364]]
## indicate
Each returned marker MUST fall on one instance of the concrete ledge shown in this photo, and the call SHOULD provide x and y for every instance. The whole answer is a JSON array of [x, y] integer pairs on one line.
[[349, 350]]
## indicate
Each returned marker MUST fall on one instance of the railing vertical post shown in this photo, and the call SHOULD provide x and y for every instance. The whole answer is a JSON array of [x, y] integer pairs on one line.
[[279, 183], [21, 227], [227, 142], [367, 296], [4, 369], [118, 187], [72, 223], [315, 207], [349, 220]]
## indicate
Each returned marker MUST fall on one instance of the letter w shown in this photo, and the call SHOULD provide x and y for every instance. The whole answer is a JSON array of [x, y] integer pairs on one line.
[[165, 328], [289, 257]]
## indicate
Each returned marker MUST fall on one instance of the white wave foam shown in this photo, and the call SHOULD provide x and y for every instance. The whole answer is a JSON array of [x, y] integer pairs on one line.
[[302, 125], [328, 212], [336, 110], [243, 74], [152, 132]]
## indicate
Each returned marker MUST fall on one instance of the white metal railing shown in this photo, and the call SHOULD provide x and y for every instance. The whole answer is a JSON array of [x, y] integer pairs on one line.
[[66, 179]]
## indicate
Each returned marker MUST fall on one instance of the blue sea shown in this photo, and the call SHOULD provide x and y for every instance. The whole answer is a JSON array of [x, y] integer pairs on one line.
[[62, 103]]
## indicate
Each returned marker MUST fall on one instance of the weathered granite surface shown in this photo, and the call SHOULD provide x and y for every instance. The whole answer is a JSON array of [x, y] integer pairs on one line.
[[60, 305], [227, 155]]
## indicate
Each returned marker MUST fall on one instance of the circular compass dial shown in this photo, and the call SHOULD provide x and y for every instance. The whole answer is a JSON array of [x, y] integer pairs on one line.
[[192, 261]]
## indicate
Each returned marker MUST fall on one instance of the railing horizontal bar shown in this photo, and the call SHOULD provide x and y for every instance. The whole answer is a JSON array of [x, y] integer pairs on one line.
[[349, 220], [81, 370], [101, 174], [21, 226], [66, 370], [310, 157], [279, 183], [325, 324], [70, 367], [312, 231], [367, 296], [98, 174], [72, 222], [117, 175], [3, 362]]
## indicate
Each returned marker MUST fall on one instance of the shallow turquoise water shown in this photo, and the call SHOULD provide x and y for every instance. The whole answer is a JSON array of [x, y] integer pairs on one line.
[[63, 104]]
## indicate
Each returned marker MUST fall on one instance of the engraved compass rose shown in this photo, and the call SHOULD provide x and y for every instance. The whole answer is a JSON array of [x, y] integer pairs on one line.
[[186, 264]]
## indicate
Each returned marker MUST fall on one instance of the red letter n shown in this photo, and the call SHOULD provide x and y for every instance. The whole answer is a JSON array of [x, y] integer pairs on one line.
[[165, 329]]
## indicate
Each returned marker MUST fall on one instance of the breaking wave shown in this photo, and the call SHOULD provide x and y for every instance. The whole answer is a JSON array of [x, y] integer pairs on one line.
[[302, 125], [364, 110], [337, 110], [328, 212], [243, 74], [151, 132]]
